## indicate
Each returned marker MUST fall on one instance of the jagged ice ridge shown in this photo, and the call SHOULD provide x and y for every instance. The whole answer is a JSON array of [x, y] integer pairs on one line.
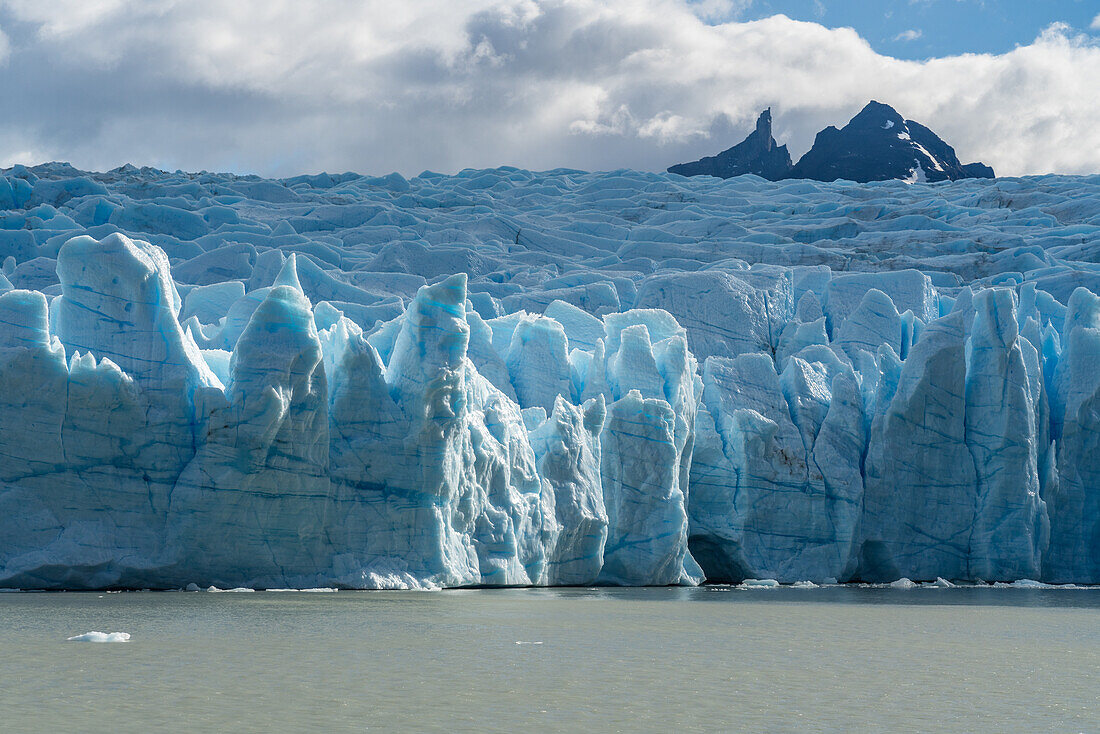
[[510, 378]]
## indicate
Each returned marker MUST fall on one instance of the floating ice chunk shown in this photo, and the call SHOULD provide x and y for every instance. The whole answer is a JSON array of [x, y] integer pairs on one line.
[[100, 637], [761, 584], [903, 583]]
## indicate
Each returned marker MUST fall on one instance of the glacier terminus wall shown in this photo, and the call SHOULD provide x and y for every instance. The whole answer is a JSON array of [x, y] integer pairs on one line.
[[507, 378]]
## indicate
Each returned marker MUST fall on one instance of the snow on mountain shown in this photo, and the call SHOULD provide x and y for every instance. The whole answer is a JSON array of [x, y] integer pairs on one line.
[[504, 377]]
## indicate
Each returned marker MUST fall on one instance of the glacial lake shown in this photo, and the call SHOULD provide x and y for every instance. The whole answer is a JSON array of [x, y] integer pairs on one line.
[[831, 659]]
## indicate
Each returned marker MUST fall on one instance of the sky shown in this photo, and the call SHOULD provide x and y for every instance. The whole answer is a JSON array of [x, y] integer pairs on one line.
[[922, 29], [281, 87]]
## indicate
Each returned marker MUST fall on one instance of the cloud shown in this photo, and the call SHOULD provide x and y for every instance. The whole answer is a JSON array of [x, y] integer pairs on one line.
[[281, 87], [719, 11], [909, 35], [1095, 25]]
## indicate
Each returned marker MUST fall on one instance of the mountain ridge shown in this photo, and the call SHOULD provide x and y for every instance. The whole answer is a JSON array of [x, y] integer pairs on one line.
[[758, 153], [877, 144]]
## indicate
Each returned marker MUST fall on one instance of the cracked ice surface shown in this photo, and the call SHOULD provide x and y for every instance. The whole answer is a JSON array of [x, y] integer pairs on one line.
[[508, 378]]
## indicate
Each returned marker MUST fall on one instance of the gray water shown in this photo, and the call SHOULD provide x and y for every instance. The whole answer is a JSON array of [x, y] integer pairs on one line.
[[707, 659]]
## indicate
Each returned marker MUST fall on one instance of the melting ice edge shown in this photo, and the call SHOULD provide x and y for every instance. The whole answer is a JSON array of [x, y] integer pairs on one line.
[[511, 378]]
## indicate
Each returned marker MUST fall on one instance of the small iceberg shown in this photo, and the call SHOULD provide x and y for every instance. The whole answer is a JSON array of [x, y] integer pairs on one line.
[[1032, 584], [760, 583], [100, 637]]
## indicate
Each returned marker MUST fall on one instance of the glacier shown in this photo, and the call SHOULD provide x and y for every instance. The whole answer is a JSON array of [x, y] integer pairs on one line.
[[510, 378]]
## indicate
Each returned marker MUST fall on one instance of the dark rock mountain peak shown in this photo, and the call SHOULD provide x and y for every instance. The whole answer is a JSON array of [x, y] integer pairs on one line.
[[877, 144], [758, 154]]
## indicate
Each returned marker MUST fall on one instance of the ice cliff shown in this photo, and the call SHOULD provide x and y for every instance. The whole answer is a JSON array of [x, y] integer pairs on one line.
[[512, 378]]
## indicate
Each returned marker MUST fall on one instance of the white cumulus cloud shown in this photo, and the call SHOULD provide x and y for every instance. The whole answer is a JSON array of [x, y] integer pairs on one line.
[[719, 10], [281, 87]]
